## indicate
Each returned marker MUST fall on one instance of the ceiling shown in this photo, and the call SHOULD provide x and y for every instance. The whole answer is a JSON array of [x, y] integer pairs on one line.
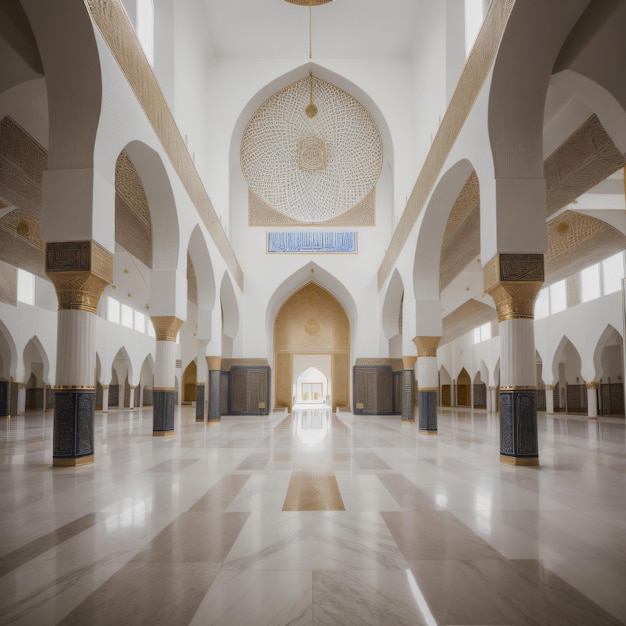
[[340, 29]]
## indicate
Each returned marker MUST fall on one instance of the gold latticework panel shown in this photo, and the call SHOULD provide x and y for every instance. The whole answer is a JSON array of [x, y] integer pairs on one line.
[[335, 177], [584, 160], [341, 379], [311, 321], [192, 284], [576, 241], [129, 187], [8, 284], [467, 317], [283, 383], [262, 214]]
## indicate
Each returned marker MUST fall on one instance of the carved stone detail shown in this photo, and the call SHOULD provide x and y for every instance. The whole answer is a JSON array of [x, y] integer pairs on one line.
[[80, 271], [515, 300]]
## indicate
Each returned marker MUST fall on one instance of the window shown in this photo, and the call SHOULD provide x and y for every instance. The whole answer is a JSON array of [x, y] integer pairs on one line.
[[25, 287], [558, 297], [473, 21], [482, 333], [613, 272], [140, 322], [145, 27], [127, 316], [542, 304], [113, 310], [590, 283]]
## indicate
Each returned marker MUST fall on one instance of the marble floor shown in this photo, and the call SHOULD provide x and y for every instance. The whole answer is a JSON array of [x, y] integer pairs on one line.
[[313, 518]]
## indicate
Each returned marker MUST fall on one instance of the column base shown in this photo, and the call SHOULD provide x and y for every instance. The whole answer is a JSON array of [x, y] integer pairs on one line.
[[427, 410], [593, 418], [73, 462], [163, 411], [199, 403], [518, 424], [519, 460], [428, 432], [163, 433]]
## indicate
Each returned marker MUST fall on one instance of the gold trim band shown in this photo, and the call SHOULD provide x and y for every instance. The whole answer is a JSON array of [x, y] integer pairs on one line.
[[163, 433], [592, 385], [164, 389], [519, 460], [73, 387], [73, 462], [427, 432], [519, 388], [427, 388]]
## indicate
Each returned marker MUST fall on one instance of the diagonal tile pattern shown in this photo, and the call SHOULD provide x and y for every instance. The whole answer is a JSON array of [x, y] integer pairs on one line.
[[338, 520]]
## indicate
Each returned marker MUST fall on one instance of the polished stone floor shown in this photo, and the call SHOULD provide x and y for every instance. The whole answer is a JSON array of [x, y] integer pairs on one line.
[[313, 518]]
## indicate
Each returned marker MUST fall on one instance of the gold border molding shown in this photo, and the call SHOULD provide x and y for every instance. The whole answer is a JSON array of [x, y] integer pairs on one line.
[[73, 462], [519, 460], [426, 346], [592, 385], [166, 327], [214, 363]]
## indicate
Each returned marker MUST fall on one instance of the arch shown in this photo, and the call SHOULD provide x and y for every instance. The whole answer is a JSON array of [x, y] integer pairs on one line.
[[609, 337], [122, 372], [230, 308], [426, 264], [162, 205], [306, 274], [392, 306], [570, 392], [37, 347], [146, 379], [445, 386], [463, 386], [8, 354], [521, 73], [203, 267], [311, 386], [312, 321], [189, 383]]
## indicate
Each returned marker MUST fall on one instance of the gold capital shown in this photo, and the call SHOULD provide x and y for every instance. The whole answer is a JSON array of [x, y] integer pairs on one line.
[[592, 385], [426, 346], [513, 281], [408, 362], [549, 387], [80, 271], [166, 327], [214, 362]]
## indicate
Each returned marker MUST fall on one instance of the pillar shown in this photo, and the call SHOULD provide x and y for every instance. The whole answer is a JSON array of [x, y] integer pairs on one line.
[[493, 399], [164, 394], [513, 281], [202, 373], [408, 388], [80, 271], [592, 400], [131, 401], [427, 382], [105, 398], [549, 399], [5, 390], [21, 398], [141, 388], [215, 379]]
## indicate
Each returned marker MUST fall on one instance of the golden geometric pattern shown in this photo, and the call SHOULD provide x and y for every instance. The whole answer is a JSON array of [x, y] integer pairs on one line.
[[129, 187], [311, 321], [261, 214], [468, 316], [585, 159], [166, 327], [8, 283], [192, 284], [311, 169], [397, 365], [515, 300]]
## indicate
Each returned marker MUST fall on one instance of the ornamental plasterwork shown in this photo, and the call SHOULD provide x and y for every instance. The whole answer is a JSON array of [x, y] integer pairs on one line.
[[310, 170]]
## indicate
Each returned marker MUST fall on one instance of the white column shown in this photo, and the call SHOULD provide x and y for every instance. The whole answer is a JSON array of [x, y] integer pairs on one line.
[[592, 400], [549, 399], [105, 398]]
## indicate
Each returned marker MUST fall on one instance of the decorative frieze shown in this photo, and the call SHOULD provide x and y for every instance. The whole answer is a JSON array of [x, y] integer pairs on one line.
[[166, 327], [312, 243], [426, 346]]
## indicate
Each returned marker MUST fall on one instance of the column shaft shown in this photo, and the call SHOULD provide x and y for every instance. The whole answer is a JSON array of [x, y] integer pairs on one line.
[[427, 383], [408, 388], [549, 399], [592, 401], [164, 394], [215, 380]]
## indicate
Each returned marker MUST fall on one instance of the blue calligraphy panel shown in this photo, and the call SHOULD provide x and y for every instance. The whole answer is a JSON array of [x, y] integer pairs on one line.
[[312, 243]]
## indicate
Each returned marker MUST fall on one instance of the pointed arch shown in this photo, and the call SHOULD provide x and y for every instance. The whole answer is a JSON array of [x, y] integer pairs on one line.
[[203, 268], [39, 349], [8, 353], [392, 306], [610, 337], [230, 308]]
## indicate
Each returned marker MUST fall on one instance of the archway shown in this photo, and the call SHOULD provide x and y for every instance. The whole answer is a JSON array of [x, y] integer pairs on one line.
[[312, 386], [463, 382], [189, 383], [479, 392], [609, 357], [570, 394], [445, 385], [35, 373], [312, 322]]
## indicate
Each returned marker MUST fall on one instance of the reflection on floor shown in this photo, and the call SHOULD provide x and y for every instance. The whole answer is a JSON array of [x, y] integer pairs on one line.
[[243, 522]]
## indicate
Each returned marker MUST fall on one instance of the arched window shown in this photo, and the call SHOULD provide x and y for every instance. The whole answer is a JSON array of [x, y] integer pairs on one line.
[[145, 27]]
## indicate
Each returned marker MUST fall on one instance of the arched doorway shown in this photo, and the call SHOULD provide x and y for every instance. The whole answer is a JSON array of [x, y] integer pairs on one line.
[[311, 323], [463, 388], [312, 384], [189, 383]]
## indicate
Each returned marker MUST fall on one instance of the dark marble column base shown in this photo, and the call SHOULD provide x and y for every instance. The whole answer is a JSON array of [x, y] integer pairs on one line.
[[408, 396], [4, 398], [74, 411], [215, 379], [518, 427], [427, 411], [163, 412], [200, 417]]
